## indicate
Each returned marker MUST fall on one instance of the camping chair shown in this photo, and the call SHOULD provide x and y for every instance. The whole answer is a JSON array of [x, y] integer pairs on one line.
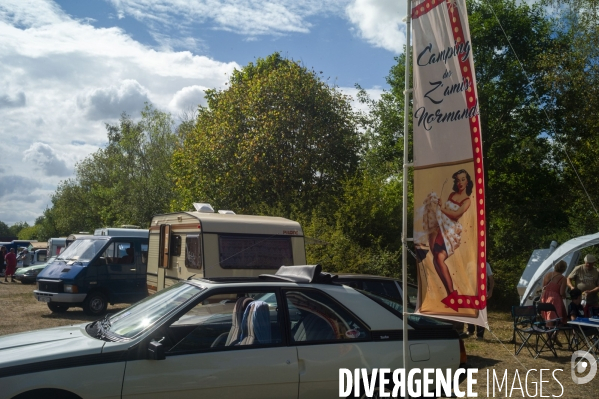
[[526, 326], [564, 328]]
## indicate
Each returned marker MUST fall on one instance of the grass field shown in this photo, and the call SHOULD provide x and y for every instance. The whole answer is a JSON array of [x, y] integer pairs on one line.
[[19, 311]]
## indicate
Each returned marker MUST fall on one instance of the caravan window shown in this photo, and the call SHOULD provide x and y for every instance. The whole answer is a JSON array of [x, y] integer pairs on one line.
[[193, 251], [238, 251]]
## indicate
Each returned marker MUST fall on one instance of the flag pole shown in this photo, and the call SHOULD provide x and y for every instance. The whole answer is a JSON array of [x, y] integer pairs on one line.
[[406, 165]]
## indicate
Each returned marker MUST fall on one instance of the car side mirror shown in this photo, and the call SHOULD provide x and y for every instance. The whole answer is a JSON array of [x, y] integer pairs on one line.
[[156, 351]]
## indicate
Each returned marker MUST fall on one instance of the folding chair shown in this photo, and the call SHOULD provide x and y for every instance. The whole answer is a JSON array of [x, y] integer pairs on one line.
[[567, 330], [526, 326]]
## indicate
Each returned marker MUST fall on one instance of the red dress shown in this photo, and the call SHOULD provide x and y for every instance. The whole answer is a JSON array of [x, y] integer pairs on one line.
[[11, 264], [551, 294]]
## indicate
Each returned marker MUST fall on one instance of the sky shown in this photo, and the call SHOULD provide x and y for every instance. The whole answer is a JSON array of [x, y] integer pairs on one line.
[[69, 67]]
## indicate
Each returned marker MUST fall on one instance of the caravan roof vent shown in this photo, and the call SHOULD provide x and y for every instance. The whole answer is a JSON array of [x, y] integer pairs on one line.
[[203, 207], [226, 212]]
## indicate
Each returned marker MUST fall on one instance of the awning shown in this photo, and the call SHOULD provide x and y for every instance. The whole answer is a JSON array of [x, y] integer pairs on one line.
[[39, 245], [561, 252]]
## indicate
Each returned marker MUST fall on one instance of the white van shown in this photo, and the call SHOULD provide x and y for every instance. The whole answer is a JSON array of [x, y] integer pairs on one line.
[[212, 244]]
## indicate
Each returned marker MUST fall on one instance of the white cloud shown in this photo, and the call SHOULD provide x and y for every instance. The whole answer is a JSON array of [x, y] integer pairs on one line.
[[246, 17], [373, 93], [187, 98], [61, 79], [46, 160], [379, 22], [110, 102]]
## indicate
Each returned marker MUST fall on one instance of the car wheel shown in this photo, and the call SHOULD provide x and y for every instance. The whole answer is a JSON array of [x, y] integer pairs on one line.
[[57, 307], [95, 304]]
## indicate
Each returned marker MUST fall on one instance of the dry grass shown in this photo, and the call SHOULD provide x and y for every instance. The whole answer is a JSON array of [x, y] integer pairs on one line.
[[19, 311], [496, 353]]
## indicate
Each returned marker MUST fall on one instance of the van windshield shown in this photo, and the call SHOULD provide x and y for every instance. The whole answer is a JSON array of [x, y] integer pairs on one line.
[[82, 250]]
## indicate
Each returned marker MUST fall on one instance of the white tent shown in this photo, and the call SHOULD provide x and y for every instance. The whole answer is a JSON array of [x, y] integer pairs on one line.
[[567, 248]]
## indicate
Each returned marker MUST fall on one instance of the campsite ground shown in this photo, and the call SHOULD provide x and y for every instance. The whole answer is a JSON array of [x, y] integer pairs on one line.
[[19, 311]]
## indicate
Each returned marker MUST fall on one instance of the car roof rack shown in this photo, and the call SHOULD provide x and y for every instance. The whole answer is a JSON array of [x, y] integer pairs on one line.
[[301, 274]]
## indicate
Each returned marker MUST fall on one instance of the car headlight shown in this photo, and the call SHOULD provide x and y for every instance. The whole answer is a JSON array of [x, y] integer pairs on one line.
[[71, 288]]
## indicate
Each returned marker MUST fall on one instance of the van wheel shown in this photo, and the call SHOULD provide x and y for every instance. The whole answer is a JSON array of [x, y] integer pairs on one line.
[[57, 307], [95, 304]]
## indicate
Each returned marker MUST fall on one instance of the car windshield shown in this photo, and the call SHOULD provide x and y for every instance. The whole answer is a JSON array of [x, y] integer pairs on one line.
[[82, 250], [136, 318]]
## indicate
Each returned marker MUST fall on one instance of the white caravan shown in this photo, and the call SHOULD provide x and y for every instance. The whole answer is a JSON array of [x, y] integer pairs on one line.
[[56, 245], [204, 243]]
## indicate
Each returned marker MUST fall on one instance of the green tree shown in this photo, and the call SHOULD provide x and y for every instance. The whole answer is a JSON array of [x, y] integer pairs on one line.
[[278, 136], [17, 227], [127, 182], [4, 230], [573, 84], [523, 186]]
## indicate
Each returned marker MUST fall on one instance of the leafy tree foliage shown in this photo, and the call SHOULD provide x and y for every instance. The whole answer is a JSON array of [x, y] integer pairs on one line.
[[573, 84], [278, 136], [16, 228], [523, 184], [127, 182], [4, 230]]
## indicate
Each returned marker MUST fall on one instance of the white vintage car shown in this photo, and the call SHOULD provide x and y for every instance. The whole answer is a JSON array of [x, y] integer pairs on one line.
[[283, 336]]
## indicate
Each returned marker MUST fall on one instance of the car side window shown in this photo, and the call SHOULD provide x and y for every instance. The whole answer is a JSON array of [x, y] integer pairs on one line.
[[223, 321], [386, 288], [317, 318]]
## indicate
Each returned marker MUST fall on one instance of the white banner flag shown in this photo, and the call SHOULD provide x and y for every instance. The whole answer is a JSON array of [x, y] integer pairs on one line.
[[449, 216]]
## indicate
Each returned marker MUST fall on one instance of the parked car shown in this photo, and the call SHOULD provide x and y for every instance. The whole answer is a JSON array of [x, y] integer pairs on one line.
[[27, 275], [219, 338]]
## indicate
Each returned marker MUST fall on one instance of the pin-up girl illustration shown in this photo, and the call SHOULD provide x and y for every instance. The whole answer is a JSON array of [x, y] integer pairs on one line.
[[441, 223]]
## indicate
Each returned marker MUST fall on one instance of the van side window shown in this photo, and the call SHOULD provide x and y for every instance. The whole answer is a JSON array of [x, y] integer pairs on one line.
[[120, 253], [193, 251], [144, 254]]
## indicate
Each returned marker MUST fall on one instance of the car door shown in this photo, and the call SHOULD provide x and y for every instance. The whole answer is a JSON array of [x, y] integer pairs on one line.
[[122, 271], [328, 337], [218, 349]]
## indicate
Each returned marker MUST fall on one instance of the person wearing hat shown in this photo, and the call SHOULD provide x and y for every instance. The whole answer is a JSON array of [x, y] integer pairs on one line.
[[586, 279]]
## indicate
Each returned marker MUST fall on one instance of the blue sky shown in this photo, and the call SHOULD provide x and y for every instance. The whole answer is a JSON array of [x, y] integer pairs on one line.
[[67, 67]]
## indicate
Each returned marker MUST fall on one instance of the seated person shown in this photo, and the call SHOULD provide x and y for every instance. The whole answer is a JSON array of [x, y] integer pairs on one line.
[[129, 257], [575, 309]]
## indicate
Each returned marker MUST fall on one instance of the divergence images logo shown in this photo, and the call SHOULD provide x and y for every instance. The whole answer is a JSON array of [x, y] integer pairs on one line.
[[583, 362]]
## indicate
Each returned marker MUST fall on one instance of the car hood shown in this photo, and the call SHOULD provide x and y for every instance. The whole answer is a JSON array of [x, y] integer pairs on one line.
[[23, 270], [48, 344], [61, 269]]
